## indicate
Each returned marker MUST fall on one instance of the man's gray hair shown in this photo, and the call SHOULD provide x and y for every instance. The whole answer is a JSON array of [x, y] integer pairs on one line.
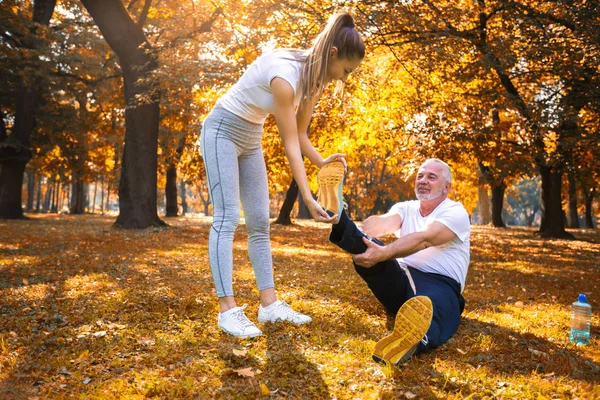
[[447, 173]]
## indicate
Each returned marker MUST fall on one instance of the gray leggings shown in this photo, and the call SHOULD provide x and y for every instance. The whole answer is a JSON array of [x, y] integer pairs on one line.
[[235, 169]]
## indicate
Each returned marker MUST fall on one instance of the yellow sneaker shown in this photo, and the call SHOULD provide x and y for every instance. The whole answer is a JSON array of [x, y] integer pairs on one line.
[[330, 179], [410, 328]]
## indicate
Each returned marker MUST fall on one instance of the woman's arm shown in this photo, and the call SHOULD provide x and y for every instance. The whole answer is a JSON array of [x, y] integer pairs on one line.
[[283, 100], [285, 117], [303, 117]]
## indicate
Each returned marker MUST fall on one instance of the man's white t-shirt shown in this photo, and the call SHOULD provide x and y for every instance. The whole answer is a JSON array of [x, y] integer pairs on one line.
[[450, 259], [251, 97]]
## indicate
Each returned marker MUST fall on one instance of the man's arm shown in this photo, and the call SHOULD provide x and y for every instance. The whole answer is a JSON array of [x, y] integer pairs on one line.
[[380, 225], [435, 235]]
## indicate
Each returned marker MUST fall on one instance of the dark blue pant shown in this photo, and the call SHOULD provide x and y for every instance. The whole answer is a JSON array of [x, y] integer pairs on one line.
[[391, 286]]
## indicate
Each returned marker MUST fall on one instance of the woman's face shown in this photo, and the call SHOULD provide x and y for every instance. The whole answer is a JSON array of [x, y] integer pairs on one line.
[[338, 69]]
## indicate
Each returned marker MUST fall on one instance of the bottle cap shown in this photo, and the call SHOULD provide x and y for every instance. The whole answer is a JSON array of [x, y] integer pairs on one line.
[[582, 298]]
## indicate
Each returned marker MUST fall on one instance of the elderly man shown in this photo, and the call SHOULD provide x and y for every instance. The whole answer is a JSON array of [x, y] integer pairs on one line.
[[420, 276]]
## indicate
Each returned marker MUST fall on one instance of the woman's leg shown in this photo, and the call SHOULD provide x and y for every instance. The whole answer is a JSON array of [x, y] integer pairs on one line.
[[254, 193], [221, 163]]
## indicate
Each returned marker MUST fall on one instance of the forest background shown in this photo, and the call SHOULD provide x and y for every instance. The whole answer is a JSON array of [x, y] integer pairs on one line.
[[101, 104]]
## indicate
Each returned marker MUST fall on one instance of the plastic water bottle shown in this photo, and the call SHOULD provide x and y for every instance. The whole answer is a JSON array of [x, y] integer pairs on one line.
[[581, 317]]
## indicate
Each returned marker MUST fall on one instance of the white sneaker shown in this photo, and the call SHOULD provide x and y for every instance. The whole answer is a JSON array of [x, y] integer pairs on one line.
[[235, 322], [281, 311]]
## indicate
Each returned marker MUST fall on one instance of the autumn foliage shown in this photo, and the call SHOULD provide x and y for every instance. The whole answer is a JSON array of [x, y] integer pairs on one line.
[[101, 107], [502, 91], [90, 311]]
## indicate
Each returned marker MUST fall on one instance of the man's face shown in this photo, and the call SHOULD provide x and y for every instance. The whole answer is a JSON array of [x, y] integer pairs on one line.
[[430, 183]]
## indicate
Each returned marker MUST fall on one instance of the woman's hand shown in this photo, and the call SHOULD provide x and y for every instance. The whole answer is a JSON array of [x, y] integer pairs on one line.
[[335, 157], [317, 212]]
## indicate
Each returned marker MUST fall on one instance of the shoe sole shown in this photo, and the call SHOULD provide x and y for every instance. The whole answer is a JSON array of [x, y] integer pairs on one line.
[[241, 336], [330, 179], [281, 320], [412, 323]]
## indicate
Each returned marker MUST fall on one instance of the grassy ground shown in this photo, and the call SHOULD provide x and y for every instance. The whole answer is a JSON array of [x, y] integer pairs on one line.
[[92, 312]]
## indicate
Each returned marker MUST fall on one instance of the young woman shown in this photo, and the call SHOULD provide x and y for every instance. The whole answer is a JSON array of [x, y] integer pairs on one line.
[[287, 84]]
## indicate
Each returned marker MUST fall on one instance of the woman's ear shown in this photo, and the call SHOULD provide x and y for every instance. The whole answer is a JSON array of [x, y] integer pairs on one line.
[[333, 52]]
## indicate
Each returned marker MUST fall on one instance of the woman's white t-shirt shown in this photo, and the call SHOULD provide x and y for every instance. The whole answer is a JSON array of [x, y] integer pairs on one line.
[[251, 97], [450, 259]]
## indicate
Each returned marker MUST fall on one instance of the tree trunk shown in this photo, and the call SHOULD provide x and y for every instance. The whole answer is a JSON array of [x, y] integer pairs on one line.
[[184, 205], [102, 196], [39, 195], [205, 200], [171, 186], [589, 199], [573, 214], [303, 212], [93, 209], [30, 190], [16, 154], [77, 196], [285, 212], [498, 190], [553, 223], [56, 196], [483, 201], [47, 197], [138, 184], [171, 191], [108, 197], [11, 181], [61, 199]]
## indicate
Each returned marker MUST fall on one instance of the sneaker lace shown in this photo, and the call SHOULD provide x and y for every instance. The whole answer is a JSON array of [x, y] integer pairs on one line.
[[240, 318], [287, 309]]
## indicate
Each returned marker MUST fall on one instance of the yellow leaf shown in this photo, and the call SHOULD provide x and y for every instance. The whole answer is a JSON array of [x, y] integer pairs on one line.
[[83, 355], [264, 390], [25, 281]]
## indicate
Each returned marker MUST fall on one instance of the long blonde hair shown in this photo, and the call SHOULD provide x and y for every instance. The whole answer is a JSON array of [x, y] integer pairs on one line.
[[340, 32]]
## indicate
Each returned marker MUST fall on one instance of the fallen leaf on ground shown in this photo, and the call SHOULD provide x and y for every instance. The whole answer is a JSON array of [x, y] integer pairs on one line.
[[84, 354], [240, 353], [264, 390], [245, 372]]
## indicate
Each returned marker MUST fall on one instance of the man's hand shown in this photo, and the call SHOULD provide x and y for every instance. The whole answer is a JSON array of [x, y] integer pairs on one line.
[[373, 255], [381, 225]]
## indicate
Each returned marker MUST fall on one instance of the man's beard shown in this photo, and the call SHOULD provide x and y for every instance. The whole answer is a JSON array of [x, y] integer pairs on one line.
[[430, 195]]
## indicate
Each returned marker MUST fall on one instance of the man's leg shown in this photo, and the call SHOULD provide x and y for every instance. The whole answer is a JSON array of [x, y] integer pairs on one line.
[[391, 286], [387, 280], [346, 235], [448, 305]]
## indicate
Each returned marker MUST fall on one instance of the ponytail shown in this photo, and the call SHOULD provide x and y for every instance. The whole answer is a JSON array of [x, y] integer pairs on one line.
[[339, 32]]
